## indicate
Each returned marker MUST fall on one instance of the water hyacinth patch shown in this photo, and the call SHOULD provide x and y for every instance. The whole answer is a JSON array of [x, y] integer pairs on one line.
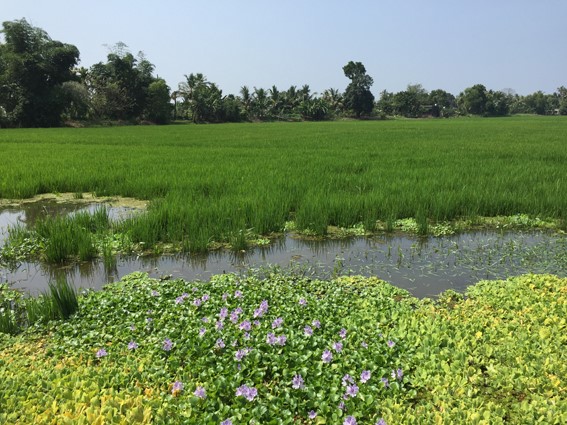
[[297, 382], [350, 420], [365, 376], [167, 344], [200, 392], [176, 388], [249, 393], [269, 380]]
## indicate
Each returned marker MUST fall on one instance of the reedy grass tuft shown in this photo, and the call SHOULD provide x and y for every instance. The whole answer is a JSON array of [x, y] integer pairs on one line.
[[64, 298]]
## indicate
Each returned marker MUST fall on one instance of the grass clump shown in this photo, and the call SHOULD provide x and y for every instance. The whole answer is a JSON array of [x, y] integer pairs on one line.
[[19, 312]]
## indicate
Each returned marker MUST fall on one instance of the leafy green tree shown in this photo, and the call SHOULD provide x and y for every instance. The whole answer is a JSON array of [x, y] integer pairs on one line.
[[497, 104], [413, 102], [358, 97], [536, 103], [334, 99], [443, 104], [33, 68], [562, 100], [120, 87], [473, 100], [158, 108], [385, 104]]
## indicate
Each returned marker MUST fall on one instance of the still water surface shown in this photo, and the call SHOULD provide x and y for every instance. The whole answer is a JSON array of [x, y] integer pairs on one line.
[[425, 267]]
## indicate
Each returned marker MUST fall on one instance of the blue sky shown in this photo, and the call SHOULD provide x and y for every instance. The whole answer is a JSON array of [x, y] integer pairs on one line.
[[448, 44]]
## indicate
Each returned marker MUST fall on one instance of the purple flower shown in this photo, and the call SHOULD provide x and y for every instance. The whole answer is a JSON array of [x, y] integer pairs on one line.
[[101, 353], [155, 293], [308, 330], [219, 325], [350, 420], [381, 421], [352, 390], [342, 333], [316, 324], [224, 296], [205, 320], [271, 339], [240, 354], [297, 382], [237, 294], [177, 388], [342, 405], [249, 393], [312, 414], [347, 379], [247, 335], [149, 320], [338, 346], [365, 376], [385, 382], [202, 331], [220, 343], [364, 344], [200, 392], [302, 302], [132, 327], [277, 323], [397, 374], [245, 326], [132, 345], [390, 343], [227, 422], [259, 312], [167, 344], [179, 300], [223, 313], [327, 356], [197, 302], [256, 323], [282, 340], [205, 298]]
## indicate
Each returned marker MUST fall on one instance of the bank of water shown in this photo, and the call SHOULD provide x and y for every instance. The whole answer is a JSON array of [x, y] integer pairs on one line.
[[423, 266]]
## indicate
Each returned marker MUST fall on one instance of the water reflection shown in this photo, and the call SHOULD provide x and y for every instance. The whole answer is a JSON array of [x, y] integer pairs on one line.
[[425, 267]]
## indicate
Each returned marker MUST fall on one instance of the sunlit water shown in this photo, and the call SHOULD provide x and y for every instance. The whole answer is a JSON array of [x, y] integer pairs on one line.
[[425, 267]]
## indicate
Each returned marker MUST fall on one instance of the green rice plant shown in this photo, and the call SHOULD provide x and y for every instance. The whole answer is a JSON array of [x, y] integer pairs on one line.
[[108, 255], [239, 240], [206, 182], [64, 297]]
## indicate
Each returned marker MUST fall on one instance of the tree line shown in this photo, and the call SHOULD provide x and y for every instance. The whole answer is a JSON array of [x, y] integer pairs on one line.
[[41, 85]]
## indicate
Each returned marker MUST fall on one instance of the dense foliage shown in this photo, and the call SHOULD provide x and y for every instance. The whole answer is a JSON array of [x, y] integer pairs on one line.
[[285, 349], [33, 70], [41, 87]]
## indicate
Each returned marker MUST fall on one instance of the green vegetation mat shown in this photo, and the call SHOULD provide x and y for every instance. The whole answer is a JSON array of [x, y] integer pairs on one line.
[[226, 183], [286, 349]]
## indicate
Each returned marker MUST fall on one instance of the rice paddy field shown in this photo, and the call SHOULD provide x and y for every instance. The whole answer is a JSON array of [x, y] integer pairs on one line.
[[278, 346], [215, 183]]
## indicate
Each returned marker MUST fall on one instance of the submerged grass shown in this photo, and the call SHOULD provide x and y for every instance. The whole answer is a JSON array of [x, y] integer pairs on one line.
[[207, 183]]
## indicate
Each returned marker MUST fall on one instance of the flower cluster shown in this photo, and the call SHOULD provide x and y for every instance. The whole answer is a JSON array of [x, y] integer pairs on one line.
[[249, 393]]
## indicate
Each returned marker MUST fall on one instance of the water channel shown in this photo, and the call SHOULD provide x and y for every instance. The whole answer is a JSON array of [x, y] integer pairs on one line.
[[424, 266]]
